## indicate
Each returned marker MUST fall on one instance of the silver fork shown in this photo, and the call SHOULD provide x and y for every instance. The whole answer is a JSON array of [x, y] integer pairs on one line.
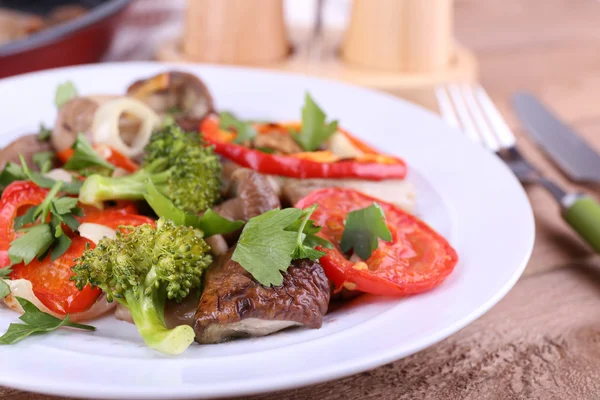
[[469, 108]]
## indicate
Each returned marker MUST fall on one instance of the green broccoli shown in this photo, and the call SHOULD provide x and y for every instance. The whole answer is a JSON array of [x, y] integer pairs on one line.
[[144, 268], [178, 164]]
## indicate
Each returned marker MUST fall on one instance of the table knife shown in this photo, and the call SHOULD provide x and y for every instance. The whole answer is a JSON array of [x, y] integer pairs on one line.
[[573, 155]]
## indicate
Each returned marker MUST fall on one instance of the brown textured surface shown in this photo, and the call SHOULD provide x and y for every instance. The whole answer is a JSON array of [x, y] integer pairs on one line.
[[543, 340], [231, 295], [538, 342]]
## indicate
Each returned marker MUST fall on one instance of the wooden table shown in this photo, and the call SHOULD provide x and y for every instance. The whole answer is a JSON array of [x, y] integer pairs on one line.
[[543, 340]]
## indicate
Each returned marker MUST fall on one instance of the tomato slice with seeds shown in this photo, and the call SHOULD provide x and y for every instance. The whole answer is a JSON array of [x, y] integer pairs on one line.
[[51, 280], [417, 258]]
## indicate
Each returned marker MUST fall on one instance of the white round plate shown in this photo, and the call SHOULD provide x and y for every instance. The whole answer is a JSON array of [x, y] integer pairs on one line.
[[464, 192]]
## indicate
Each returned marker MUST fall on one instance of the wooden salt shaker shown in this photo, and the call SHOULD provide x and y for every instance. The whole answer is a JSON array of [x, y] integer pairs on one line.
[[235, 31], [411, 36]]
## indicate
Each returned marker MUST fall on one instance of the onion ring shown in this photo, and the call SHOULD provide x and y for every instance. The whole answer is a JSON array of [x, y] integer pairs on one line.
[[105, 126]]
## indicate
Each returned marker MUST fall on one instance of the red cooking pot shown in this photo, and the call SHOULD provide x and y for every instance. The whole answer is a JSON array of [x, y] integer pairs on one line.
[[82, 40]]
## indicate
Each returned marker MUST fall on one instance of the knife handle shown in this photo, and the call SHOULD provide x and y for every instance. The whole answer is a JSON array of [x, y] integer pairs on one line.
[[584, 216]]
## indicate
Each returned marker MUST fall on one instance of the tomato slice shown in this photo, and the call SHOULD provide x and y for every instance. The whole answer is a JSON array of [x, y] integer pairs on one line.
[[15, 198], [51, 280], [417, 258]]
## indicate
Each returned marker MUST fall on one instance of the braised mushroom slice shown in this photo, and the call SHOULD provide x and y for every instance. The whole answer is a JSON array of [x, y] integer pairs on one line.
[[27, 146], [180, 93], [253, 193], [234, 304], [74, 117]]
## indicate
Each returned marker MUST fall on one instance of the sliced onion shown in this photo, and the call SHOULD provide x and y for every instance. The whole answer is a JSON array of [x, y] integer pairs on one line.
[[341, 146], [105, 126], [23, 288], [217, 244], [95, 232], [59, 174]]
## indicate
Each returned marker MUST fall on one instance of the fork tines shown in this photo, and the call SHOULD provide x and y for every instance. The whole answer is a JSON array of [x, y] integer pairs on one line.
[[469, 108]]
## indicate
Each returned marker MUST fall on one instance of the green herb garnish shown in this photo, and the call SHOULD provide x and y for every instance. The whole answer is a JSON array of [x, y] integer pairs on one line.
[[210, 223], [4, 289], [47, 183], [40, 237], [245, 130], [314, 131], [270, 241], [64, 93], [84, 157], [304, 250], [11, 172], [36, 321], [5, 272], [44, 134], [44, 160], [363, 230]]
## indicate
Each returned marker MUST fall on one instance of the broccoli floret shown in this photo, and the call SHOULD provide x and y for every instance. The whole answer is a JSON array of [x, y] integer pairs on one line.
[[144, 268], [179, 165]]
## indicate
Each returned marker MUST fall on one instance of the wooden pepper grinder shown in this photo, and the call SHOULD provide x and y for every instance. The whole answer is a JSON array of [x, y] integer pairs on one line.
[[410, 36], [235, 32]]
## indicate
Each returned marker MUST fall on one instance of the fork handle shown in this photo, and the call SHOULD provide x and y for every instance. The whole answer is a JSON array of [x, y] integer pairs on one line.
[[583, 214]]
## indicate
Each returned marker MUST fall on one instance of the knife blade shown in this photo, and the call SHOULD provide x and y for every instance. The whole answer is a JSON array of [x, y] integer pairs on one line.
[[573, 155]]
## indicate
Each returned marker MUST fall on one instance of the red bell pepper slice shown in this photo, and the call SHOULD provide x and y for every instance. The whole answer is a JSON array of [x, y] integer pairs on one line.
[[113, 156], [113, 218], [416, 260], [16, 199], [51, 280], [373, 166]]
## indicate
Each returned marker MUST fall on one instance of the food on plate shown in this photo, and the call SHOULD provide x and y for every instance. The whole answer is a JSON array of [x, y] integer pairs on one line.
[[180, 95], [143, 268], [197, 225], [233, 304]]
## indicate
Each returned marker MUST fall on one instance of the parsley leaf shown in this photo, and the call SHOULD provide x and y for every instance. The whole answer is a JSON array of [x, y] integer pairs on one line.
[[34, 243], [64, 205], [27, 218], [61, 245], [85, 156], [314, 131], [11, 172], [5, 272], [4, 289], [36, 321], [245, 130], [210, 223], [265, 248], [270, 241], [44, 160], [306, 239], [47, 183], [38, 239], [64, 92], [44, 133], [363, 230]]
